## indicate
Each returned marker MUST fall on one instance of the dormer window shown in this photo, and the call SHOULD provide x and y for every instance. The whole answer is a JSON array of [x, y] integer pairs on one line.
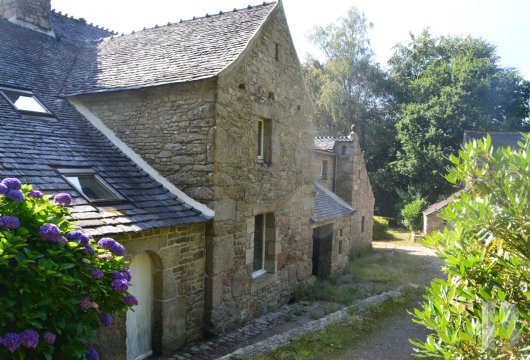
[[90, 185], [25, 102]]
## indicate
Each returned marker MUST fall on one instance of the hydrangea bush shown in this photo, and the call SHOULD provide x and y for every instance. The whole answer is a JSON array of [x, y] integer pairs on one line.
[[57, 283]]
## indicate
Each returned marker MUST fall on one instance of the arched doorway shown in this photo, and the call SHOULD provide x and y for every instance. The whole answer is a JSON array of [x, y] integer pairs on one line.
[[139, 323]]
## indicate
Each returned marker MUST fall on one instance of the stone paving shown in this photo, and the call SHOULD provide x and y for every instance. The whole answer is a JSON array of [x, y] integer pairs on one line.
[[275, 329], [282, 320]]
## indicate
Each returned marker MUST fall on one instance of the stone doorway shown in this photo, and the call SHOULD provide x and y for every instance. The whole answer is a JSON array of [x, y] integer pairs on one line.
[[139, 323], [322, 248]]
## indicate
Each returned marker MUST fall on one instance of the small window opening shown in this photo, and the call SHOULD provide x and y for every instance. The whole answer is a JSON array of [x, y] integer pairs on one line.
[[242, 86], [271, 96], [340, 247], [277, 52], [362, 224], [359, 174], [264, 140], [90, 185], [324, 169], [343, 150], [24, 101], [298, 107]]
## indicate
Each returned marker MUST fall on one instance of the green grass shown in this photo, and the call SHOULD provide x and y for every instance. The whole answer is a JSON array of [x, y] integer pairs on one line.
[[335, 338]]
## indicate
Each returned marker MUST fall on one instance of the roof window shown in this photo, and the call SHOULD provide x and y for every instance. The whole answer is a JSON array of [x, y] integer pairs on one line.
[[90, 185], [24, 101]]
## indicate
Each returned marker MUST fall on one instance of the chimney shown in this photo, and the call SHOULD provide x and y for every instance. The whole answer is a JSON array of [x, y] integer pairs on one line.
[[34, 14]]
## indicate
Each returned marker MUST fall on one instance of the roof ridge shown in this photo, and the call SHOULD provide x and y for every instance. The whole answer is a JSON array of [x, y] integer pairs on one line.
[[195, 18], [83, 21]]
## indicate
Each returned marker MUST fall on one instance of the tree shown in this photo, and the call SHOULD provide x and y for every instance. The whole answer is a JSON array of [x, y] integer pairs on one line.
[[443, 86], [350, 87], [482, 310]]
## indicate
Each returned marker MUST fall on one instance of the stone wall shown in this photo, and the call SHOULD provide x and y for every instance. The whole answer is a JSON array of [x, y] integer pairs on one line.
[[433, 222], [362, 201], [178, 257], [265, 83], [171, 127], [35, 12]]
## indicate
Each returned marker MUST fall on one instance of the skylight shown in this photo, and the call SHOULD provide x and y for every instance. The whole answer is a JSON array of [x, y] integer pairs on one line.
[[24, 101], [90, 185]]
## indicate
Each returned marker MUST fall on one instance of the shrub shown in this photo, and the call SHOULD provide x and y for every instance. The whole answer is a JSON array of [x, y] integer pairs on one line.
[[482, 310], [380, 228], [411, 214], [57, 285]]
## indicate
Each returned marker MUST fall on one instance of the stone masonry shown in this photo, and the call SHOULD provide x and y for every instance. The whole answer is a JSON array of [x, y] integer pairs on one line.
[[34, 12], [203, 137], [178, 258]]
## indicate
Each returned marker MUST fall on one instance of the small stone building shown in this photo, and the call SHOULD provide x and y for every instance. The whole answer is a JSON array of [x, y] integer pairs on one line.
[[344, 203]]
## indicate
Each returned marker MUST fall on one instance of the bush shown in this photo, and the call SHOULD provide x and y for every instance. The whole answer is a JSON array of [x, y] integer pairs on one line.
[[57, 285], [482, 310], [380, 228], [411, 214]]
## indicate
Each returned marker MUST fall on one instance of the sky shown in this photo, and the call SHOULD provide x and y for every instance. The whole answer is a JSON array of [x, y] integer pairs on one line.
[[506, 24]]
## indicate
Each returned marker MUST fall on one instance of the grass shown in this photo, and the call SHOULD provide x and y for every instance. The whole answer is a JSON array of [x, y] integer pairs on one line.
[[335, 338], [380, 270]]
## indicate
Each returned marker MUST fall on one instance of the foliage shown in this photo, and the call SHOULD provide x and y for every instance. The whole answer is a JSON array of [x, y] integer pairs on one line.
[[482, 310], [56, 284], [350, 87], [411, 214], [441, 87], [380, 228]]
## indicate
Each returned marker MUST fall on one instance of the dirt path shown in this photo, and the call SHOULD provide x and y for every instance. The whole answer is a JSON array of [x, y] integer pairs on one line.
[[389, 341]]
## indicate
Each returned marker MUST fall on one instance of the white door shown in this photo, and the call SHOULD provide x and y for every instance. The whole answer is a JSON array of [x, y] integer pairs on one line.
[[139, 321]]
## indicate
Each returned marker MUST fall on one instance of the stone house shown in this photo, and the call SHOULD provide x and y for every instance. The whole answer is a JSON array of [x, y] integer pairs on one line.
[[190, 143], [431, 220], [344, 204]]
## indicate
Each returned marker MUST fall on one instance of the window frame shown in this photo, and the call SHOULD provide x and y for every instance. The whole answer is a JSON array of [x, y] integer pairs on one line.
[[324, 170], [258, 272], [264, 141], [83, 172], [261, 139], [26, 93]]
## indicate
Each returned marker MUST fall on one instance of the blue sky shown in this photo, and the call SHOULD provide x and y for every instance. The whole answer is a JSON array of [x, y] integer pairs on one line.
[[506, 23]]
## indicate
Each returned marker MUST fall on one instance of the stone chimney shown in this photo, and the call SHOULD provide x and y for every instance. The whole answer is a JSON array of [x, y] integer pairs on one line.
[[34, 14]]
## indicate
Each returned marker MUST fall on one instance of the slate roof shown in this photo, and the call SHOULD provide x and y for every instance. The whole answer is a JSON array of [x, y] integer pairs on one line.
[[76, 30], [181, 52], [328, 206], [498, 139], [326, 143], [441, 204], [32, 148]]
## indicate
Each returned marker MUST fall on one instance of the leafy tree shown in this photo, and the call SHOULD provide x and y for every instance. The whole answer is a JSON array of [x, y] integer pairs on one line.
[[482, 310], [350, 87], [443, 86], [411, 214]]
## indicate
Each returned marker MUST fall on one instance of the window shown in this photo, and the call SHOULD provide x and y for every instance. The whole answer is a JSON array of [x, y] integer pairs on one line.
[[362, 224], [324, 169], [277, 51], [264, 141], [24, 101], [90, 185], [264, 238], [343, 150]]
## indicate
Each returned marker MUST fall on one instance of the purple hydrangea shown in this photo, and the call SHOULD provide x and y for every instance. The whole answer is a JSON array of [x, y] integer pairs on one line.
[[98, 274], [106, 319], [12, 183], [117, 275], [15, 195], [36, 194], [49, 337], [11, 341], [120, 284], [29, 338], [130, 300], [126, 274], [105, 256], [89, 250], [3, 189], [9, 222], [112, 245], [50, 232], [79, 236], [62, 199], [86, 303], [91, 354]]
